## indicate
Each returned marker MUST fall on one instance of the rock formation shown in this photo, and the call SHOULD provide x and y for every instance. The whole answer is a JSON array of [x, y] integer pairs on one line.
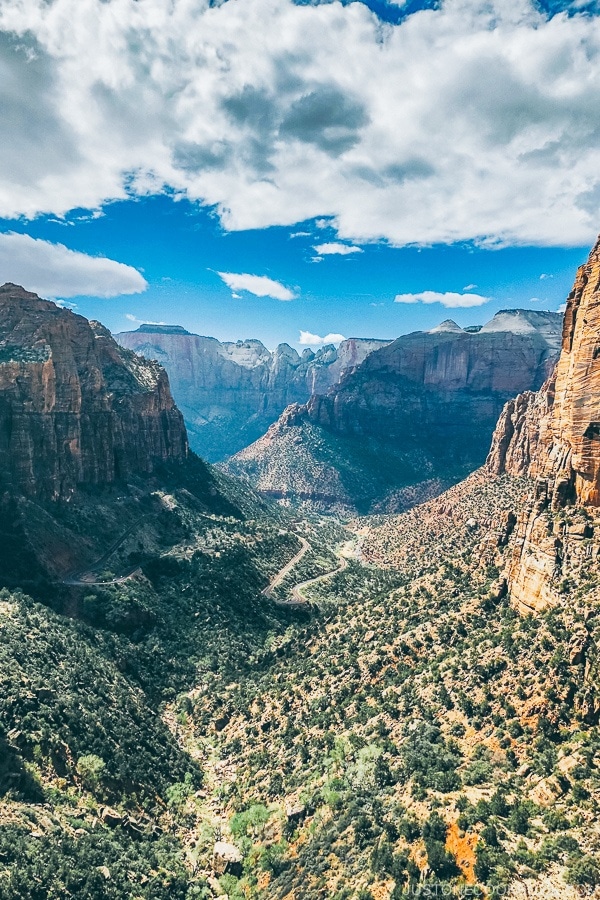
[[554, 437], [75, 408], [230, 393], [420, 410]]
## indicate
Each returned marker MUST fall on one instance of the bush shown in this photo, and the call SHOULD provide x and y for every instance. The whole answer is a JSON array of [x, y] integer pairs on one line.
[[91, 769], [584, 871]]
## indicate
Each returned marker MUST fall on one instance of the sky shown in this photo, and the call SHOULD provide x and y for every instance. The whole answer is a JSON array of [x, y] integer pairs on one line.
[[298, 171]]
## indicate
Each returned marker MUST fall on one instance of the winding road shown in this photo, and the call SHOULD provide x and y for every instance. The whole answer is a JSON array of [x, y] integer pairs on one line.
[[268, 591], [348, 551], [89, 576]]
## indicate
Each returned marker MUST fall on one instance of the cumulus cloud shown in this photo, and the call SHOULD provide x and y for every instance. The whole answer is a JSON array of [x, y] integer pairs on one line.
[[314, 340], [335, 247], [52, 270], [477, 120], [449, 299], [259, 285]]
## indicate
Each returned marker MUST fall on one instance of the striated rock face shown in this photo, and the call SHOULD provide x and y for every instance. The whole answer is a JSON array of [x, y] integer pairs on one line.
[[562, 423], [420, 410], [519, 443], [75, 408], [554, 437], [575, 425], [230, 393], [445, 386]]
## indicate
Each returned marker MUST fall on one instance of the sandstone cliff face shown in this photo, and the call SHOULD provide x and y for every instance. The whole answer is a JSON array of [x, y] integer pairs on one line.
[[575, 426], [438, 387], [419, 411], [520, 440], [554, 437], [76, 409], [230, 393]]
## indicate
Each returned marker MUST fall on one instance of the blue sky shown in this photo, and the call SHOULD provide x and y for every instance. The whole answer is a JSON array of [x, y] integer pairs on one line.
[[180, 248], [349, 153]]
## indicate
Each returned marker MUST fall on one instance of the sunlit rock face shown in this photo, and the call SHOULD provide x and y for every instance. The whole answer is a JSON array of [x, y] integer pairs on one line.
[[554, 436], [575, 425], [231, 392], [417, 413], [75, 408]]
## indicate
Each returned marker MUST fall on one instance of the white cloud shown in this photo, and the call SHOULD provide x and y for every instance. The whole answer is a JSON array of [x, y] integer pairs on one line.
[[449, 299], [137, 321], [259, 285], [298, 234], [477, 120], [52, 270], [336, 248], [543, 276], [469, 287], [562, 308], [314, 340]]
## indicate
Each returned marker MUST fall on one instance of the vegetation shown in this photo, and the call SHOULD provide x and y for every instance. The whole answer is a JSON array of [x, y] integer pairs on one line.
[[410, 732]]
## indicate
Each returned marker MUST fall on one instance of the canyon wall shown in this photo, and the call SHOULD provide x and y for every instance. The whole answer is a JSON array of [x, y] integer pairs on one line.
[[412, 418], [553, 436], [230, 393], [75, 408]]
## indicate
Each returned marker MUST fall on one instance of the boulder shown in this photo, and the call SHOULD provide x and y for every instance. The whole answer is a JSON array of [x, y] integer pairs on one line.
[[227, 859]]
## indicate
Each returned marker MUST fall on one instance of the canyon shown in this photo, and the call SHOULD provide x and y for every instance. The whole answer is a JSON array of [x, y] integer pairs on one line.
[[230, 392], [208, 693], [414, 417]]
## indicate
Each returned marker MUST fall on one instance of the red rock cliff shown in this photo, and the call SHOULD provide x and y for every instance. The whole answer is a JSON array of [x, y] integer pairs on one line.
[[75, 408], [554, 436], [556, 432]]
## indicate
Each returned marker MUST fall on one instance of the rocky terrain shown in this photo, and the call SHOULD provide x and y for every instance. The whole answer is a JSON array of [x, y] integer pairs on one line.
[[230, 393], [422, 719], [553, 436], [76, 409], [419, 411]]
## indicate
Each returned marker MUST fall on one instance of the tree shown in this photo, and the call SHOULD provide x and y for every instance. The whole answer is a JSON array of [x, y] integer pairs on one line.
[[91, 769]]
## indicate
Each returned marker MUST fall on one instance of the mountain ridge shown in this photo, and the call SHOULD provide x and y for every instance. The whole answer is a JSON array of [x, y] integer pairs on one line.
[[421, 409], [231, 391]]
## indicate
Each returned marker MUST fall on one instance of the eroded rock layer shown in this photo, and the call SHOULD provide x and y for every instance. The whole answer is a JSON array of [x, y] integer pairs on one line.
[[417, 412], [75, 408], [554, 437], [230, 392]]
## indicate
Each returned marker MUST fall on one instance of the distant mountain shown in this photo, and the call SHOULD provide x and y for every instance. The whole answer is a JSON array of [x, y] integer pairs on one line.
[[230, 393], [415, 416]]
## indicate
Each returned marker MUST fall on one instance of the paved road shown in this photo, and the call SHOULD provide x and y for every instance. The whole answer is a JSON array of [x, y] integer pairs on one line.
[[268, 591], [343, 555], [89, 576], [298, 598]]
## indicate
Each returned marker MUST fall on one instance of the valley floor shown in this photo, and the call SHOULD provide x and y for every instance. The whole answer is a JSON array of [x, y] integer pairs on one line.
[[396, 729]]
